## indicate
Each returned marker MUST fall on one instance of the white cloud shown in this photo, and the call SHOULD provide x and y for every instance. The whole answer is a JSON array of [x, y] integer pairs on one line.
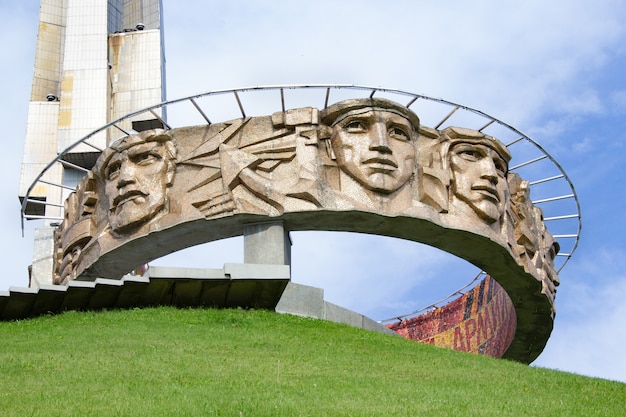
[[512, 62]]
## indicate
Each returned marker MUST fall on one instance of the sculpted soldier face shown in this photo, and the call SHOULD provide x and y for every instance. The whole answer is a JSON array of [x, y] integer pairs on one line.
[[136, 181], [375, 147], [479, 179], [68, 263]]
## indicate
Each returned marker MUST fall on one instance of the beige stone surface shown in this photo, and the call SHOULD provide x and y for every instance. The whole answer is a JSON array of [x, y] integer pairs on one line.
[[362, 165]]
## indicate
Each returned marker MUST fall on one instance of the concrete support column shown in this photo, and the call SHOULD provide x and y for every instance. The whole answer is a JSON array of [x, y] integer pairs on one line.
[[41, 270], [266, 243]]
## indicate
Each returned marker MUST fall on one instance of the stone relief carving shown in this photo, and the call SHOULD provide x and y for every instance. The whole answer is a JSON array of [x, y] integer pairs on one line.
[[371, 150], [532, 243], [360, 155], [547, 251], [261, 165], [478, 175], [137, 172], [433, 178], [76, 230], [522, 219]]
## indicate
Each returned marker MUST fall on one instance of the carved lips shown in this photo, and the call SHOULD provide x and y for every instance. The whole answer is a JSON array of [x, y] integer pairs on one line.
[[488, 191], [381, 164], [127, 196]]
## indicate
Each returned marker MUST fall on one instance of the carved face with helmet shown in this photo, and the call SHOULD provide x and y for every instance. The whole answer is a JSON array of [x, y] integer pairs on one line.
[[373, 141], [137, 171], [479, 166]]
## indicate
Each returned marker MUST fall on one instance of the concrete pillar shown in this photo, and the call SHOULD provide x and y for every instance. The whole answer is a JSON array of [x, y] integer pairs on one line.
[[41, 270], [266, 243]]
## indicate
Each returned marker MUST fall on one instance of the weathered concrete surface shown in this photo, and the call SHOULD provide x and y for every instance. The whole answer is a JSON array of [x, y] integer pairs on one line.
[[266, 243], [247, 286], [302, 300], [43, 252], [307, 301]]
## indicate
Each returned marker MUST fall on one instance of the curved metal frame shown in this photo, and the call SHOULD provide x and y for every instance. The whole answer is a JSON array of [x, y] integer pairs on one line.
[[327, 89]]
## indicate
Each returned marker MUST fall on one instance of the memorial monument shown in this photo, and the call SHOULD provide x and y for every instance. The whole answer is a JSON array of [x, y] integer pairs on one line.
[[328, 166], [364, 164]]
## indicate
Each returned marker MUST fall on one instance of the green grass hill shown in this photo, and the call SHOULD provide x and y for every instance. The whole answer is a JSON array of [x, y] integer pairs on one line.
[[203, 362]]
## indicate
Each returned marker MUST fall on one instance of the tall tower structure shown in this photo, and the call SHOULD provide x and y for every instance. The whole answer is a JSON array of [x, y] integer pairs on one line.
[[95, 61]]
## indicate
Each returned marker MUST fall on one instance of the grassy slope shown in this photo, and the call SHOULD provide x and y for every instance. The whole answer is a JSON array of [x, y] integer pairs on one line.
[[254, 363]]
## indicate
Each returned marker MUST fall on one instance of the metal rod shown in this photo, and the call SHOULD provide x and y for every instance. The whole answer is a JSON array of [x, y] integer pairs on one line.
[[204, 116], [448, 116], [565, 236], [58, 185], [282, 99], [487, 125], [74, 166], [568, 216], [35, 217], [120, 129], [532, 161], [30, 200], [327, 95], [93, 146], [547, 200], [243, 113], [564, 254], [514, 142], [159, 119], [434, 305], [413, 100], [556, 177], [373, 92]]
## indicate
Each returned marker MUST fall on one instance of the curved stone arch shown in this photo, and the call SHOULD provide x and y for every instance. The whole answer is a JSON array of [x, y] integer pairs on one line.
[[253, 169], [485, 122], [533, 309], [233, 174]]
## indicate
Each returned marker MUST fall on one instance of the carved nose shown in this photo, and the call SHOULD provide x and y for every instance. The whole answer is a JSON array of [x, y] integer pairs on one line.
[[127, 174], [488, 170], [379, 138]]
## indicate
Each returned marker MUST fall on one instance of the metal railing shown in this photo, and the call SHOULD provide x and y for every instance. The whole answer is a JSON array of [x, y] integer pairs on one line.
[[567, 213]]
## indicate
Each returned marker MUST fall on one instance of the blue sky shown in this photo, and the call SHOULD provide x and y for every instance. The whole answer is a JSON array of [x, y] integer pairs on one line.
[[554, 70]]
